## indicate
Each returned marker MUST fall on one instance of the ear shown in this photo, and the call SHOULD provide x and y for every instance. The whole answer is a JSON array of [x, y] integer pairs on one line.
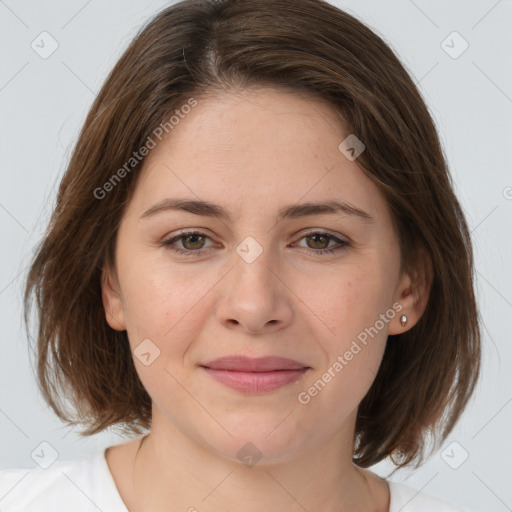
[[413, 293], [112, 302]]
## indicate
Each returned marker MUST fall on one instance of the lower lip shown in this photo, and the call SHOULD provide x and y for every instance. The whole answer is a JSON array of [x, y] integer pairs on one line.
[[256, 382]]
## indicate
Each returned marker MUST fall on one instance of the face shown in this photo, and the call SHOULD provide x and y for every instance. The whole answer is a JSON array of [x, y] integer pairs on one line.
[[320, 288]]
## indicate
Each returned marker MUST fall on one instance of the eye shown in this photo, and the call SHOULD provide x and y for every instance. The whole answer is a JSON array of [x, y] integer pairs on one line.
[[320, 238], [193, 242]]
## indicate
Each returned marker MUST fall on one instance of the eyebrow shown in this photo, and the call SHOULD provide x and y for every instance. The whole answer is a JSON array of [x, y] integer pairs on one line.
[[294, 211]]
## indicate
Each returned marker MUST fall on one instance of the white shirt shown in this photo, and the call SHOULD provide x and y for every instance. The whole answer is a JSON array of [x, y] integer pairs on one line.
[[85, 484]]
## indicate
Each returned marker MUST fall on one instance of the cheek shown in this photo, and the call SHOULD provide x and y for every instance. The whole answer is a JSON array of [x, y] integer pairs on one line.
[[162, 304], [348, 301], [355, 313], [167, 310], [353, 347]]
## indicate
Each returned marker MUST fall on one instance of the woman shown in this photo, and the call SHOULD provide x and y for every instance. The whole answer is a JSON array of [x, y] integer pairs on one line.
[[257, 266]]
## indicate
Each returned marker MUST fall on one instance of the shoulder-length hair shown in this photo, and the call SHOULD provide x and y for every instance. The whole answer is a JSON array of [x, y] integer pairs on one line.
[[304, 46]]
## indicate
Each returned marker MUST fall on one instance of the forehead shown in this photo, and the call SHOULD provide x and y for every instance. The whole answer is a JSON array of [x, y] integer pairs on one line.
[[256, 149]]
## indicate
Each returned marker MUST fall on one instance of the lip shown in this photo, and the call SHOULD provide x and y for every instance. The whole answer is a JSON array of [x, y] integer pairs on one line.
[[255, 375], [254, 364]]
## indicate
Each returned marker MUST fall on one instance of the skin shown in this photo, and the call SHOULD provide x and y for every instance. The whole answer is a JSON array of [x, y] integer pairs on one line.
[[254, 151]]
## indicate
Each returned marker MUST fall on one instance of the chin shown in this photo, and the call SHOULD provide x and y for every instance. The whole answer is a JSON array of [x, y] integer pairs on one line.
[[257, 440]]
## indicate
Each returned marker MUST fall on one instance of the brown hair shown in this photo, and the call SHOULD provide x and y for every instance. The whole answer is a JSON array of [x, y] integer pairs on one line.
[[304, 46]]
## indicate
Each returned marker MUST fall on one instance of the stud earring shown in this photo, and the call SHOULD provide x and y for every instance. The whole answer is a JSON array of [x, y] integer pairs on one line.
[[403, 320]]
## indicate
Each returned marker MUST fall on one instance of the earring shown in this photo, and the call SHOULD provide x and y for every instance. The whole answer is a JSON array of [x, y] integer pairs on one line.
[[403, 320]]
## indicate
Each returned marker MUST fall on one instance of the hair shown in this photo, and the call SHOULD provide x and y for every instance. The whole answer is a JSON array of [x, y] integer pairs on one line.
[[308, 47]]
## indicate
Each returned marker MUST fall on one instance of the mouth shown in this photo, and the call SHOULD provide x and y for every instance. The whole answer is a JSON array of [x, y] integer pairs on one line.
[[255, 375]]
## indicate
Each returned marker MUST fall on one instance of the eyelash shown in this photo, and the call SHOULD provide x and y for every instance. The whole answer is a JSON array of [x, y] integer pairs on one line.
[[188, 252]]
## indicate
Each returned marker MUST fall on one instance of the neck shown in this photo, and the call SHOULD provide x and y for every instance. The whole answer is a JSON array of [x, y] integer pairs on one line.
[[173, 471]]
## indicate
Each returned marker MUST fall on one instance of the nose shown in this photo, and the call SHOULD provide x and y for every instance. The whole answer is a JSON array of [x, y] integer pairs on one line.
[[254, 296]]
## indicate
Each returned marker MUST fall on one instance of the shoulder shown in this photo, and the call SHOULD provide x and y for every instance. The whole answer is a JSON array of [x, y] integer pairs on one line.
[[79, 483], [406, 499]]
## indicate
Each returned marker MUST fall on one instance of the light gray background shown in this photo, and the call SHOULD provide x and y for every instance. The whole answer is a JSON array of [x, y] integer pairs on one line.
[[43, 103]]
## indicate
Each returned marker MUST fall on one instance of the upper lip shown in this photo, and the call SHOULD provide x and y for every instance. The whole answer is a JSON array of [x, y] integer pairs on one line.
[[250, 364]]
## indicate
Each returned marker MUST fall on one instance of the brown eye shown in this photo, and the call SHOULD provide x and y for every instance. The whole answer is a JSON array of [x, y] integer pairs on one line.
[[318, 242], [196, 241], [191, 242]]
